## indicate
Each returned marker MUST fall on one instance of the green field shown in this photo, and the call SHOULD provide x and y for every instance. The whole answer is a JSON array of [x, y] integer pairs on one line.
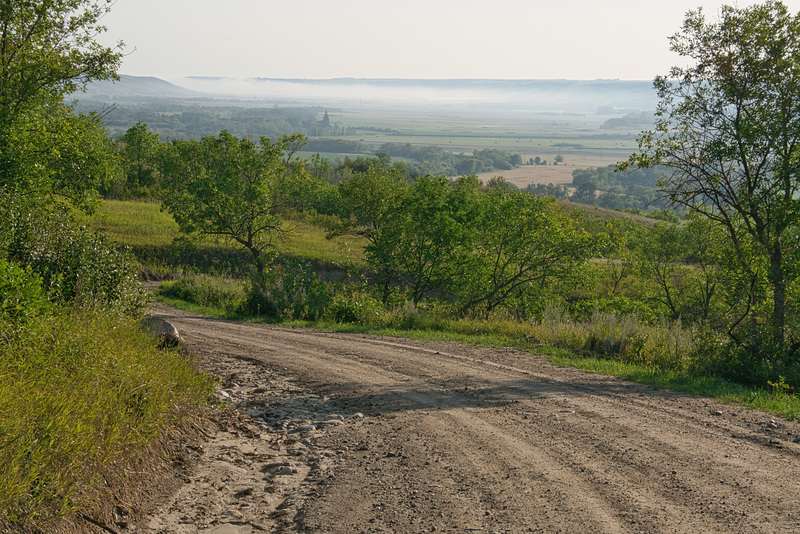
[[524, 132]]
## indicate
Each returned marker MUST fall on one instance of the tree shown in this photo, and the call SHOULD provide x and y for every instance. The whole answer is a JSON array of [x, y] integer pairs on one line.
[[728, 130], [422, 236], [521, 245], [230, 187], [140, 150], [47, 51], [51, 159]]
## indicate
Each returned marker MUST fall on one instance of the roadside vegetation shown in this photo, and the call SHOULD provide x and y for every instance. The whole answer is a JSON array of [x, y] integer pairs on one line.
[[86, 397], [701, 297]]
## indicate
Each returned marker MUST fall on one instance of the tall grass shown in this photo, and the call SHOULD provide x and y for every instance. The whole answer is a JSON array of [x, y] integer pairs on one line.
[[80, 390], [133, 223], [151, 234]]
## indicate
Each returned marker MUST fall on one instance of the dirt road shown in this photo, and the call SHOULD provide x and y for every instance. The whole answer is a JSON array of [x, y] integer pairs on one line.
[[392, 435]]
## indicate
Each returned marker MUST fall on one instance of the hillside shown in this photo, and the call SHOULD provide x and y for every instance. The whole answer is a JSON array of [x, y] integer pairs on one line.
[[133, 87]]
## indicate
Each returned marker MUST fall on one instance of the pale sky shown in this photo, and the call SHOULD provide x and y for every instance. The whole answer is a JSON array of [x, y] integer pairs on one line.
[[318, 39]]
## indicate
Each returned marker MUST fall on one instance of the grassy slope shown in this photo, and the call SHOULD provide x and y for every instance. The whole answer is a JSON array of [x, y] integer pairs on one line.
[[144, 224], [83, 395]]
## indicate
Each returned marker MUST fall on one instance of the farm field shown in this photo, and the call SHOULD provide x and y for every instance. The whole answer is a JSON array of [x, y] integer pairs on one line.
[[579, 139]]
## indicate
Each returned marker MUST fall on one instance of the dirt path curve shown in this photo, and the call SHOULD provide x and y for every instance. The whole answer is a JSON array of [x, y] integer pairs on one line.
[[394, 435]]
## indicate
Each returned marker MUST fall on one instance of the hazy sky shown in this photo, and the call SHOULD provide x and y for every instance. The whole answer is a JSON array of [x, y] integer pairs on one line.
[[510, 39]]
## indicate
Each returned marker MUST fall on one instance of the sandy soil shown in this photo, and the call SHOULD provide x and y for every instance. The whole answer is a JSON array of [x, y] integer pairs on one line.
[[358, 434]]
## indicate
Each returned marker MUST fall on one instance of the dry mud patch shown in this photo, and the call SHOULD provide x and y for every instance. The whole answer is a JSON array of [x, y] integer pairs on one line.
[[359, 434]]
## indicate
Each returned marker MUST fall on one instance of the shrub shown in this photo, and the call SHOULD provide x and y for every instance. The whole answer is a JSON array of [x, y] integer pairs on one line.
[[76, 264], [354, 307], [291, 292], [21, 294]]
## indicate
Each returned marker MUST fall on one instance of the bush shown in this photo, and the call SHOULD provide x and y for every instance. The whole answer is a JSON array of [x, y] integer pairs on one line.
[[76, 264], [354, 307], [291, 292], [21, 294]]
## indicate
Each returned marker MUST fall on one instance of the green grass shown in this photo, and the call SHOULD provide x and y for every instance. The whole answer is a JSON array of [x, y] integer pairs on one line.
[[307, 241], [82, 393], [134, 223], [150, 233]]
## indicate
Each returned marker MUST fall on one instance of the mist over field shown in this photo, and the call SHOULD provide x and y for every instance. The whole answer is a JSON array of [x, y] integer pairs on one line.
[[537, 95], [557, 96]]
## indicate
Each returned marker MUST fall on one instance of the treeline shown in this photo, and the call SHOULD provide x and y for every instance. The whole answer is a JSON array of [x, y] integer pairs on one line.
[[172, 119], [143, 153], [634, 189]]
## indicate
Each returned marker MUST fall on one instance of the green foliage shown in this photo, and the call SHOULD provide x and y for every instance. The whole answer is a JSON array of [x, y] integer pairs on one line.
[[141, 152], [206, 291], [437, 160], [288, 292], [728, 127], [548, 190], [481, 249], [74, 263], [46, 52], [21, 293], [194, 119], [354, 306], [229, 187], [80, 394], [422, 238], [522, 248], [608, 187]]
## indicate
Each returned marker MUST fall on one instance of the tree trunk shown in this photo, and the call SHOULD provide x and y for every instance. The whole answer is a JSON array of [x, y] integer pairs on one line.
[[778, 281]]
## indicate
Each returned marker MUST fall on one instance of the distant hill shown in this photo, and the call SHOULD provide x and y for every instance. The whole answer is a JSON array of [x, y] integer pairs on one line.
[[134, 87]]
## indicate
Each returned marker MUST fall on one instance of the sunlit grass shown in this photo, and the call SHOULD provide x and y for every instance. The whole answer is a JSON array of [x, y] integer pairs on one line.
[[79, 392], [307, 241], [143, 224], [133, 222]]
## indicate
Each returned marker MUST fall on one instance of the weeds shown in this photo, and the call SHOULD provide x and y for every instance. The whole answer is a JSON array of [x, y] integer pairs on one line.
[[78, 390]]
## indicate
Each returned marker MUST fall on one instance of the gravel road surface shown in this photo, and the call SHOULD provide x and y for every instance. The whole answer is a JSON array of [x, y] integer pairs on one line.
[[358, 434]]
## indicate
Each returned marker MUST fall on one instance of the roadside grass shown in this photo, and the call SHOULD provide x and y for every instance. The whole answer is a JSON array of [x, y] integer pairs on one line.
[[82, 393]]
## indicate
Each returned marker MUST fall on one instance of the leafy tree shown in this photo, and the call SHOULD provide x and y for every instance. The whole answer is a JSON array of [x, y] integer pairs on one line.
[[499, 182], [141, 151], [728, 129], [420, 237], [50, 158], [47, 50], [367, 197], [521, 245], [230, 187]]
